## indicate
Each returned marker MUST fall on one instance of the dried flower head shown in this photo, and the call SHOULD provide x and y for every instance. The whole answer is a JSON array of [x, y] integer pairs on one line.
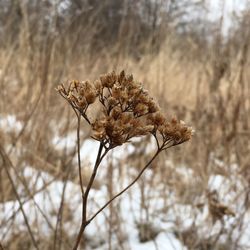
[[79, 94], [127, 111]]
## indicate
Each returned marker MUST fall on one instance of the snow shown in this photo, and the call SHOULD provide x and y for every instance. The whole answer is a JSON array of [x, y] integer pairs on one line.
[[10, 123], [130, 210], [49, 201], [227, 8]]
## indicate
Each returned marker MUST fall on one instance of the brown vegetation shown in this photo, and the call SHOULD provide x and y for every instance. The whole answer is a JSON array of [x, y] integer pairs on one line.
[[189, 66]]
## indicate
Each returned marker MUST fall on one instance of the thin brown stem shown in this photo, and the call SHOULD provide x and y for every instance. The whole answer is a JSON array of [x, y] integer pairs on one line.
[[156, 139], [83, 113], [84, 223], [1, 247], [60, 213], [8, 162], [79, 152], [125, 189]]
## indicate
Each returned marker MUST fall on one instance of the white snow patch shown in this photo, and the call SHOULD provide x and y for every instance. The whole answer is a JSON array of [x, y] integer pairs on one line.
[[10, 123]]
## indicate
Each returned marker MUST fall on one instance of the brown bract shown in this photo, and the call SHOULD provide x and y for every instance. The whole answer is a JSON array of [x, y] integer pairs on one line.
[[127, 111]]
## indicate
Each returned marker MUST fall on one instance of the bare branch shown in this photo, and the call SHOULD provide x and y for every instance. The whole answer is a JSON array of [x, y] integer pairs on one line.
[[7, 161], [125, 189]]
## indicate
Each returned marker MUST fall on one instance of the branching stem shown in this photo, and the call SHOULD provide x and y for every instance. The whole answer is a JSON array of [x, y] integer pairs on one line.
[[84, 222], [8, 162], [125, 189]]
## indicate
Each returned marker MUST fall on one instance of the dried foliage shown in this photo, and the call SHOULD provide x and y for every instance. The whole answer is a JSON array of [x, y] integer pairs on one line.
[[127, 111], [196, 194]]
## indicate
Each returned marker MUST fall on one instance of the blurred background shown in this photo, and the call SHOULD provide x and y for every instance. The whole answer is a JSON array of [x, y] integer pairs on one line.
[[193, 57]]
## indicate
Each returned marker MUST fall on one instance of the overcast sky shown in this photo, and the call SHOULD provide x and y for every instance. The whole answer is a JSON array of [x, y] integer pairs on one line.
[[230, 7]]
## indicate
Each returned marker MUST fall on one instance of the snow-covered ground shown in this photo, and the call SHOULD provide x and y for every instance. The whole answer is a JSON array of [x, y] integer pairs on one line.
[[165, 221]]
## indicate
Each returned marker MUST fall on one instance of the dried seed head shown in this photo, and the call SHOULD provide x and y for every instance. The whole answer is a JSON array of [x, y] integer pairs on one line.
[[111, 101], [98, 86], [127, 110], [82, 103], [152, 107], [140, 109], [116, 113], [90, 96], [108, 80], [121, 77], [157, 119]]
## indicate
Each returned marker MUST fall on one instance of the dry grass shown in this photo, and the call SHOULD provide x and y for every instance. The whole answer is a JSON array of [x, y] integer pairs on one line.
[[195, 84]]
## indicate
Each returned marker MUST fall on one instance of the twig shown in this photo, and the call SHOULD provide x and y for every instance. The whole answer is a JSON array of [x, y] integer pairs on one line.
[[1, 247], [60, 212], [7, 161], [84, 223], [117, 128], [125, 189], [79, 152]]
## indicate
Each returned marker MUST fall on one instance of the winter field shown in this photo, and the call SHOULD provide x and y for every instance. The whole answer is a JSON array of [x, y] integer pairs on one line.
[[192, 58]]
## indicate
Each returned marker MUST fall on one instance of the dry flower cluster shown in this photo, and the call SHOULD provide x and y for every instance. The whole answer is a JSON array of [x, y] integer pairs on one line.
[[127, 111]]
